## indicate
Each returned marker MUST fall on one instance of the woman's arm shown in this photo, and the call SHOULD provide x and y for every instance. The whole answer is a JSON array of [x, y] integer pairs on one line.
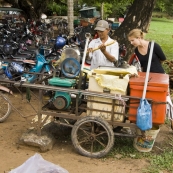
[[159, 52]]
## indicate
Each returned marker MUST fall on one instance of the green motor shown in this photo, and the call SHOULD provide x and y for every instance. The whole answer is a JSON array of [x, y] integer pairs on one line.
[[62, 100]]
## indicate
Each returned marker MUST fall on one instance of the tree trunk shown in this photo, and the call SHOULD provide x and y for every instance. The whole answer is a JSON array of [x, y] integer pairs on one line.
[[70, 17], [138, 16]]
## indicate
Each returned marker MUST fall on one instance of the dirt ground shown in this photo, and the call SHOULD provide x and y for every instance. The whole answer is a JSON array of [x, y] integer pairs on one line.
[[63, 153]]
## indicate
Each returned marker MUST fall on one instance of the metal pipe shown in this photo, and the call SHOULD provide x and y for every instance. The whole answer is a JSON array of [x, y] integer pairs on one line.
[[69, 90], [87, 35]]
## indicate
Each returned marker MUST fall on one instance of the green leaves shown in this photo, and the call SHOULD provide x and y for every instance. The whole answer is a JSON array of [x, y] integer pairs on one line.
[[112, 8], [59, 9]]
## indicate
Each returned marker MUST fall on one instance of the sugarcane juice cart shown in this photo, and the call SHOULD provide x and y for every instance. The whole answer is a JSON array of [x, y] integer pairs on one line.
[[96, 103], [104, 100]]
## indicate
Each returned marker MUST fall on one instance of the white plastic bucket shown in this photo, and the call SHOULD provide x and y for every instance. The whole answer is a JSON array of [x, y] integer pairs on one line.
[[145, 144]]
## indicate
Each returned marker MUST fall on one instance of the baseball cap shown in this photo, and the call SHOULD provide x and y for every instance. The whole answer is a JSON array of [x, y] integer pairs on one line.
[[101, 25]]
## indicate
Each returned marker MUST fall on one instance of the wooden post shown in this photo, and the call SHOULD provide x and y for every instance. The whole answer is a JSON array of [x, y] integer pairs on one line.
[[102, 11], [70, 17], [39, 113]]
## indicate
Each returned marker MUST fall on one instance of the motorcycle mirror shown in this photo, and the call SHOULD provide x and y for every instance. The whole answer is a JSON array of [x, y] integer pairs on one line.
[[1, 25], [87, 35], [43, 16]]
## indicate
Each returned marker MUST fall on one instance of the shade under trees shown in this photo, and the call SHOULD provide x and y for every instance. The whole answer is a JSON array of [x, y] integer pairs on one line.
[[138, 16]]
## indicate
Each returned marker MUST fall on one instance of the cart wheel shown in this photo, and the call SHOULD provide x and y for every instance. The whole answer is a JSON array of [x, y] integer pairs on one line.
[[92, 137], [5, 108]]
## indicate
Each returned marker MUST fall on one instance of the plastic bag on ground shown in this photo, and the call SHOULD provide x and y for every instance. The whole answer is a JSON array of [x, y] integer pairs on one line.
[[36, 164]]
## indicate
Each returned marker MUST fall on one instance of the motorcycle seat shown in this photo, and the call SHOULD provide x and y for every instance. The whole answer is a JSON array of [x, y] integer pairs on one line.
[[27, 52], [21, 57]]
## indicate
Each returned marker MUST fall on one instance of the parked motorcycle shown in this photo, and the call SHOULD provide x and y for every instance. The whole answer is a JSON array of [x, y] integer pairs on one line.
[[37, 68]]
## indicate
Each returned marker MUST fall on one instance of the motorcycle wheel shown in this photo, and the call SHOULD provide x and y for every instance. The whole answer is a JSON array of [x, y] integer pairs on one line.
[[5, 108]]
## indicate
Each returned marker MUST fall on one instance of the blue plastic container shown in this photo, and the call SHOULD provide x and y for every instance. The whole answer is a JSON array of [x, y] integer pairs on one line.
[[115, 26]]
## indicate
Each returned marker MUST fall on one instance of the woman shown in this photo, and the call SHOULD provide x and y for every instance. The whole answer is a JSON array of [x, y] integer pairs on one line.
[[136, 38], [142, 50]]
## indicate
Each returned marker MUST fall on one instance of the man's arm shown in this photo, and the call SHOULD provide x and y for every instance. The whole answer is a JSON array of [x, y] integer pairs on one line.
[[107, 54], [112, 55]]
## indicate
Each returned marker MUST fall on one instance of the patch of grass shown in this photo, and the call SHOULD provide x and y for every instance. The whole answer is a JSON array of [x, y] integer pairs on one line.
[[161, 31], [159, 160], [124, 147]]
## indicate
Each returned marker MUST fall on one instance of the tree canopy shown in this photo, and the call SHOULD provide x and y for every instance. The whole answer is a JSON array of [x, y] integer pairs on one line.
[[33, 8]]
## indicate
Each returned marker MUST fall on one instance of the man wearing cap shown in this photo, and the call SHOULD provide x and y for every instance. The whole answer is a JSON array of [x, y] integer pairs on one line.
[[105, 55]]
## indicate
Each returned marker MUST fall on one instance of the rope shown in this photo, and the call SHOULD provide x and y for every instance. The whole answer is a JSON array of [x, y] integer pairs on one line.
[[119, 98]]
